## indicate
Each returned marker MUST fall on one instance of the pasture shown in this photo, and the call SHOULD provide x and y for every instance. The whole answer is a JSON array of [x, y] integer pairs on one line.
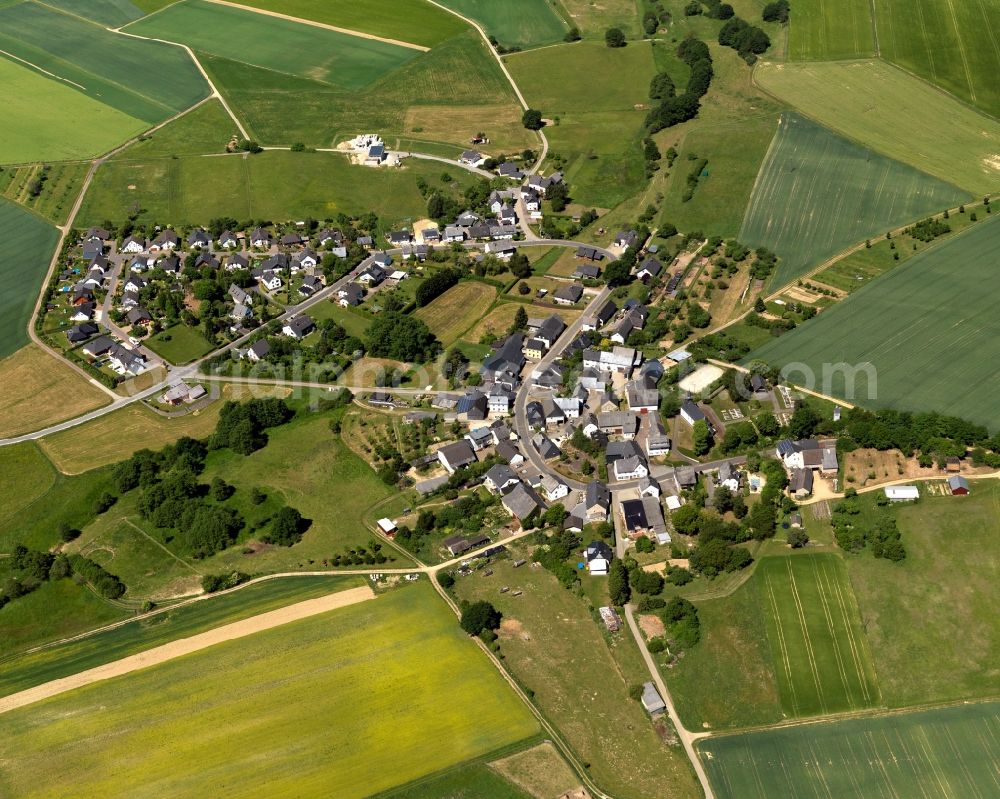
[[281, 45], [945, 591], [953, 45], [594, 18], [37, 390], [24, 669], [942, 752], [514, 23], [278, 108], [37, 108], [415, 21], [817, 193], [543, 633], [189, 190], [358, 666], [895, 114], [203, 130], [455, 311], [147, 80], [937, 335], [26, 246], [819, 31], [820, 655]]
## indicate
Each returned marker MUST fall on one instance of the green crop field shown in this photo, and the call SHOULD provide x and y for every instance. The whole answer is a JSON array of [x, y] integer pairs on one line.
[[458, 309], [893, 113], [456, 75], [819, 650], [945, 752], [393, 679], [37, 109], [954, 45], [148, 80], [820, 31], [414, 21], [180, 344], [111, 13], [817, 193], [23, 669], [514, 23], [945, 591], [281, 45], [937, 335], [270, 185], [26, 246]]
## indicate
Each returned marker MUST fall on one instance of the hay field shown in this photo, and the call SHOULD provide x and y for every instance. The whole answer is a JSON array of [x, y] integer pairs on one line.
[[514, 23], [944, 752], [281, 45], [148, 80], [37, 390], [26, 246], [59, 191], [455, 311], [895, 114], [929, 329], [953, 45], [817, 193], [414, 21], [37, 108], [820, 654], [394, 679], [820, 31]]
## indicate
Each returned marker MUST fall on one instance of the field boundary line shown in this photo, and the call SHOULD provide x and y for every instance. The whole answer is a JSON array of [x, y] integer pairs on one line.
[[186, 646], [142, 532], [44, 71], [325, 26]]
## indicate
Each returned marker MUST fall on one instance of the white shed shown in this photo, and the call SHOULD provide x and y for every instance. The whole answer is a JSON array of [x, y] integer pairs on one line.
[[902, 493]]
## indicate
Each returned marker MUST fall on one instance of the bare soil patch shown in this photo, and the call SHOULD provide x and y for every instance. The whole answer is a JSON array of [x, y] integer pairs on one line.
[[651, 625]]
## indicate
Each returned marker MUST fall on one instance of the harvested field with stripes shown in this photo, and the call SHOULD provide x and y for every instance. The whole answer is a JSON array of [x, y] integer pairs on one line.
[[457, 309], [821, 658]]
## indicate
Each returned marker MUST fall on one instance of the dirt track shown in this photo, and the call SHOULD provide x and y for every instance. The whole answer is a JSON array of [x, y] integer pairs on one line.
[[185, 646]]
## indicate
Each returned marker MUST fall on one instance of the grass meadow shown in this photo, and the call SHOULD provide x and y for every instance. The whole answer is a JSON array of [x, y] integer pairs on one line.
[[277, 184], [280, 109], [548, 631], [36, 110], [147, 80], [817, 193], [179, 344], [393, 679], [895, 114], [593, 19], [819, 31], [953, 45], [936, 333], [26, 246], [514, 23], [458, 309], [942, 752], [414, 21], [944, 592], [599, 125], [59, 191], [821, 658], [23, 669], [201, 131], [281, 45]]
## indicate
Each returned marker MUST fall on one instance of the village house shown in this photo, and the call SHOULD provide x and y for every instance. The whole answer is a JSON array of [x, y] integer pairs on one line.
[[456, 455]]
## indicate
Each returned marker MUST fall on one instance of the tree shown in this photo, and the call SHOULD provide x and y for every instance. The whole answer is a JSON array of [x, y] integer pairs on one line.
[[532, 119], [287, 527], [435, 206], [759, 305], [686, 519], [614, 37], [618, 587], [722, 500], [401, 337], [257, 496], [662, 86], [646, 582], [558, 195], [445, 580], [767, 424], [555, 516], [803, 423], [702, 437], [479, 616], [221, 490], [645, 544], [520, 316], [572, 35], [776, 12], [520, 266], [797, 538], [739, 506]]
